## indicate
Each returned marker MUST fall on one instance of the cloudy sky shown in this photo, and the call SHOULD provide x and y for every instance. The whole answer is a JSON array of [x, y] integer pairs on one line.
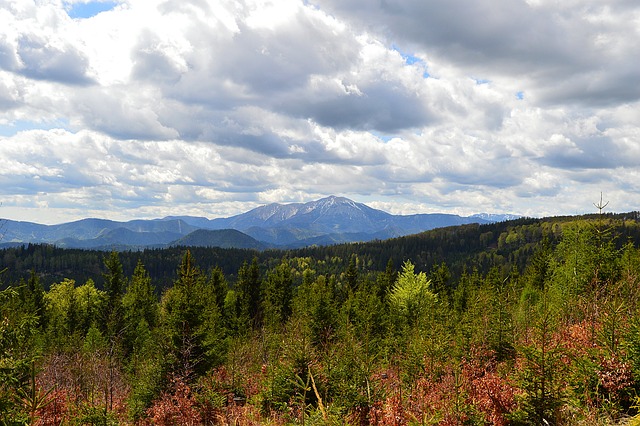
[[141, 109]]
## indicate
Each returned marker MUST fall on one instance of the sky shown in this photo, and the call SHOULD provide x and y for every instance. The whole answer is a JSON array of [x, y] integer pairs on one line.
[[138, 109]]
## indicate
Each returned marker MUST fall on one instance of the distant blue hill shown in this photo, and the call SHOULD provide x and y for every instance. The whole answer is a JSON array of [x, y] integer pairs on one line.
[[225, 238], [326, 221]]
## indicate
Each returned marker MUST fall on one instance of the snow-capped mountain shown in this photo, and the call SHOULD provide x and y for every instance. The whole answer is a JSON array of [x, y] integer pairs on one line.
[[340, 218], [326, 221]]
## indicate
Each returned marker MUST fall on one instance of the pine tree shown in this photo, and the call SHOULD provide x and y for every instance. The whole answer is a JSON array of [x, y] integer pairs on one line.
[[140, 305], [351, 274], [219, 286], [385, 280], [32, 296], [17, 356], [277, 294], [192, 322], [248, 293], [542, 372], [323, 312], [411, 295], [440, 277], [114, 286]]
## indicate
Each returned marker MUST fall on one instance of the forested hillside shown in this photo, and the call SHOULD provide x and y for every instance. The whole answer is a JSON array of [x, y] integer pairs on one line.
[[462, 248], [521, 322]]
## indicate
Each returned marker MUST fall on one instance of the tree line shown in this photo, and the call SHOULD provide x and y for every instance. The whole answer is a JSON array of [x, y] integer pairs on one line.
[[467, 247]]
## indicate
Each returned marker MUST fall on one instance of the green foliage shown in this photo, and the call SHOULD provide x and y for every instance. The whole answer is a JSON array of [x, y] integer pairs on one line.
[[280, 388], [516, 323], [114, 286], [191, 321], [94, 341], [277, 294], [411, 297], [219, 286], [351, 274], [321, 309], [585, 259], [542, 373], [140, 309], [248, 297], [632, 345], [487, 321], [88, 414], [71, 310], [32, 297], [139, 301], [17, 354], [440, 277], [146, 373]]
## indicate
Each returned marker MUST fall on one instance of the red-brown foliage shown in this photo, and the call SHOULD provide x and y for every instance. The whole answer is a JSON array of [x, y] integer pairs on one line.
[[78, 380], [614, 375], [176, 406], [388, 410], [56, 412], [491, 394], [449, 395]]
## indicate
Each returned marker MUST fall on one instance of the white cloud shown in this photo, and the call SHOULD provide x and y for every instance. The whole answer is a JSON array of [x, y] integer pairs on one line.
[[214, 107]]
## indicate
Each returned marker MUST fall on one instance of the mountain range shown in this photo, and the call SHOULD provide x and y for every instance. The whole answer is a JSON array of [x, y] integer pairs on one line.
[[326, 221]]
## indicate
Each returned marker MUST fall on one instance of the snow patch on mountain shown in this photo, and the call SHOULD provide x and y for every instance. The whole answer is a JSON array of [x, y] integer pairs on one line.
[[493, 217]]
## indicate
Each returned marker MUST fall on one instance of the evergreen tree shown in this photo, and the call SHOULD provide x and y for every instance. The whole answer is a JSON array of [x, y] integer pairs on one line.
[[140, 305], [385, 280], [62, 312], [351, 274], [114, 286], [539, 269], [90, 303], [277, 294], [219, 286], [248, 293], [411, 296], [323, 312], [145, 363], [440, 277], [32, 296], [192, 322], [18, 353], [543, 372], [487, 324]]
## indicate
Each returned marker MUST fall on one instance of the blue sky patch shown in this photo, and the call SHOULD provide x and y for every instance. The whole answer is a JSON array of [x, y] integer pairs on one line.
[[520, 95], [383, 137], [8, 130], [90, 9], [410, 59]]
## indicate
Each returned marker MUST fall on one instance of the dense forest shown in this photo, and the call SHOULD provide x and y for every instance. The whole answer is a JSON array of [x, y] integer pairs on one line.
[[526, 322]]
